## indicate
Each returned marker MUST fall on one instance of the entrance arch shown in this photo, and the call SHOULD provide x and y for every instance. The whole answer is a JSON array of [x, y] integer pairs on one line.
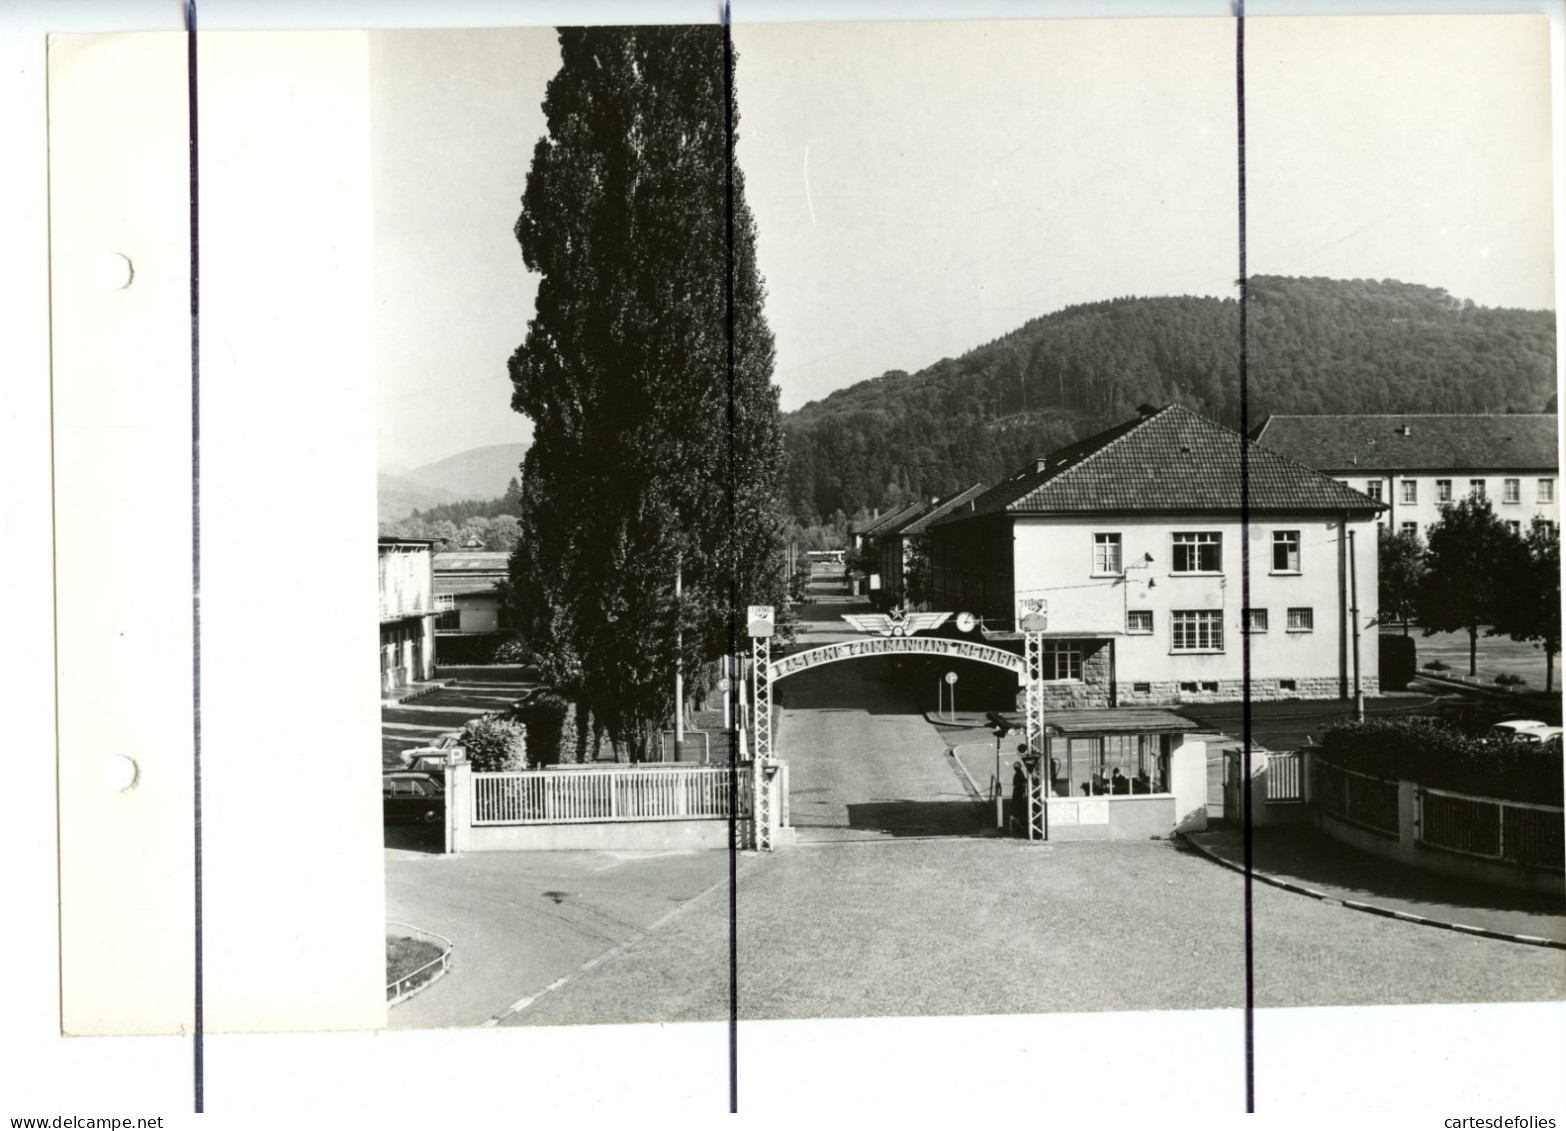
[[798, 662], [765, 671]]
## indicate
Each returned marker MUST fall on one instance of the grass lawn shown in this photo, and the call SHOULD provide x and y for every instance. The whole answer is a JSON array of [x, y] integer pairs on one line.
[[1497, 655], [406, 955]]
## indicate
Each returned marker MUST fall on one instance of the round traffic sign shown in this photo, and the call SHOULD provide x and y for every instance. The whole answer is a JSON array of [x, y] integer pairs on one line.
[[951, 677]]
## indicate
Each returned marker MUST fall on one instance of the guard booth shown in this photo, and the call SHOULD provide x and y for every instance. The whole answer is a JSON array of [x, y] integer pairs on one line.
[[1115, 774]]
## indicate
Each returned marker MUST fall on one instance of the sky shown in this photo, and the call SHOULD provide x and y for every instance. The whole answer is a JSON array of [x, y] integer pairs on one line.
[[922, 188]]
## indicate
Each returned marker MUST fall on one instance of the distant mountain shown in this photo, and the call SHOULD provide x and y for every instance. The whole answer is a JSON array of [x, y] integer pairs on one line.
[[1315, 346], [397, 497], [478, 473]]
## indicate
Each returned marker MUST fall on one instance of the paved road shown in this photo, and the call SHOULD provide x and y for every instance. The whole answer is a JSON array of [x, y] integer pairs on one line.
[[520, 920], [984, 926], [863, 763]]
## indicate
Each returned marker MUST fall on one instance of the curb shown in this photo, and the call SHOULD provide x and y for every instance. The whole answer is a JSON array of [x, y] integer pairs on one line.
[[1370, 908]]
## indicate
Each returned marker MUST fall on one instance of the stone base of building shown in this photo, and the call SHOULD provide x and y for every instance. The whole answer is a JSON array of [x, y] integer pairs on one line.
[[1091, 695]]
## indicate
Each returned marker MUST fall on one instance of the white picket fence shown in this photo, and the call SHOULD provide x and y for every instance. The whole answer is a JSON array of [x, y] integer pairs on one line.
[[547, 797], [1285, 776]]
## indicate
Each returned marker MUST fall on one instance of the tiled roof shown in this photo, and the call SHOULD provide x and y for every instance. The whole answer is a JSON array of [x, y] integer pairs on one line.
[[1169, 461], [941, 509], [471, 561], [879, 526], [1433, 443]]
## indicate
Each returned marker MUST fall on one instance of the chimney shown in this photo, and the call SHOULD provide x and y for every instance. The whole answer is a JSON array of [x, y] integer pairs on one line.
[[1041, 463]]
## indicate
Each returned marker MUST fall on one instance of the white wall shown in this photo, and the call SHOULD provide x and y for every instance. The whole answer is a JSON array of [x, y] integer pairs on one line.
[[1054, 560], [1425, 511]]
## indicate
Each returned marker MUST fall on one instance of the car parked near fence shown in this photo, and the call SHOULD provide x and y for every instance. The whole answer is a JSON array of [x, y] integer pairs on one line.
[[412, 796], [1511, 730]]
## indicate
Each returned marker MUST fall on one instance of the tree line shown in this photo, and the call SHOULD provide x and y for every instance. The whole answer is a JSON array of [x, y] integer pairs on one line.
[[1315, 346], [489, 524]]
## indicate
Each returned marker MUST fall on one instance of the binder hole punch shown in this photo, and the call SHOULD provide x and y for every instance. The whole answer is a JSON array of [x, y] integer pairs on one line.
[[112, 271], [119, 773]]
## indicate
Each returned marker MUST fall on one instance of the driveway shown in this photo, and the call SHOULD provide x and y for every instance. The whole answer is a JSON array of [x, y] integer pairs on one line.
[[521, 920], [445, 710], [988, 926], [863, 763]]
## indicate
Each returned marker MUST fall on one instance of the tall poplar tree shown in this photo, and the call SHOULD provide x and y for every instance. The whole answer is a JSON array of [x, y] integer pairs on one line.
[[650, 452]]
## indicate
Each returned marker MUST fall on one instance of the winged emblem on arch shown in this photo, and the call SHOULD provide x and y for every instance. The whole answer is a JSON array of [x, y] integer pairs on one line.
[[896, 622]]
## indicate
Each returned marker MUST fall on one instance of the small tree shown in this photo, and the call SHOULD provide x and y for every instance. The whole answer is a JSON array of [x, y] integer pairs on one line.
[[1402, 570], [1533, 610], [1473, 566], [495, 745], [917, 575]]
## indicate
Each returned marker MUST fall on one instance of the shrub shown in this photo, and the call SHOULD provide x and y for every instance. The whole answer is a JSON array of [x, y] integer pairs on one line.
[[543, 716], [512, 651], [1507, 679], [1435, 666], [495, 744], [1440, 758]]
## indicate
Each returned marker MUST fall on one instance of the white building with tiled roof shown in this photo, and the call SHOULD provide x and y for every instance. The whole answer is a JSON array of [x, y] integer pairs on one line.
[[1417, 464], [1133, 544]]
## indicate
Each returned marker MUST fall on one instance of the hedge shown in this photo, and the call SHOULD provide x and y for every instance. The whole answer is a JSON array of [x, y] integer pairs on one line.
[[495, 744], [1441, 758]]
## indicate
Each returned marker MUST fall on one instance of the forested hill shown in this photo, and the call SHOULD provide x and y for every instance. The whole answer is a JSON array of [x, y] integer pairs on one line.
[[1316, 345]]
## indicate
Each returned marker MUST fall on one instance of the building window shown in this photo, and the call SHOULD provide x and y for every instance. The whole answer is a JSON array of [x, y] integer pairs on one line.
[[1285, 551], [1197, 630], [1511, 490], [1547, 526], [1302, 620], [1476, 488], [1287, 685], [1188, 685], [1443, 490], [1142, 688], [1410, 490], [1062, 661], [1515, 526], [1409, 528], [1210, 687], [1139, 622], [1198, 552], [1546, 490], [449, 621], [1255, 620], [1373, 489], [1106, 553], [445, 602]]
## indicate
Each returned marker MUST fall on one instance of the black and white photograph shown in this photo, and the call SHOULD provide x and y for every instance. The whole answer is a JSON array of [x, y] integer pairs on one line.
[[915, 558], [870, 490]]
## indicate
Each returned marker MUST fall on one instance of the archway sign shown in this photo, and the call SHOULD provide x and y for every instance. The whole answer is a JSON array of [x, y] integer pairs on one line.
[[893, 636]]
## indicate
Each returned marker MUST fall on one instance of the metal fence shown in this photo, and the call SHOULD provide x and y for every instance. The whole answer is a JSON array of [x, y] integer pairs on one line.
[[1357, 798], [1285, 777], [545, 797], [411, 983], [1511, 831]]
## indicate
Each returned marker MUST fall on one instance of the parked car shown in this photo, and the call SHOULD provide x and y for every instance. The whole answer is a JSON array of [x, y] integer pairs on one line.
[[1538, 734], [1471, 716], [1513, 729], [408, 795]]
